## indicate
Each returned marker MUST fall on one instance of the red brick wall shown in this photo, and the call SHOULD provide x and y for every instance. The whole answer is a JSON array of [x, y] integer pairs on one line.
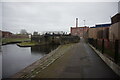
[[6, 34], [79, 31]]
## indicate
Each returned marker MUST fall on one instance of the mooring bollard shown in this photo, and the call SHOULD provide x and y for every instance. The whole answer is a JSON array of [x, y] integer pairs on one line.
[[96, 43], [102, 46], [116, 51]]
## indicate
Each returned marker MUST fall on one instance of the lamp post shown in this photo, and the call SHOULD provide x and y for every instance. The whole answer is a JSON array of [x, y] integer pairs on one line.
[[83, 28], [84, 22]]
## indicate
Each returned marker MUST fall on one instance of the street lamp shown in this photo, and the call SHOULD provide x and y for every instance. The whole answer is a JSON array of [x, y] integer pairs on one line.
[[84, 22], [83, 28]]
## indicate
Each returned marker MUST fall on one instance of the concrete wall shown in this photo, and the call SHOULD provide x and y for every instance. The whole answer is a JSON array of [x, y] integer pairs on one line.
[[98, 32], [92, 33], [114, 31]]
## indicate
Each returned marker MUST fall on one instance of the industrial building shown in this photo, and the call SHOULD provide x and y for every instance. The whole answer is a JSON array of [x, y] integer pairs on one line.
[[78, 31], [100, 31], [114, 31]]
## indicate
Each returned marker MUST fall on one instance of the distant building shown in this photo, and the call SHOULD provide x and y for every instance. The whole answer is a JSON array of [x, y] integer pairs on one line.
[[78, 31], [115, 18], [55, 32], [6, 34], [100, 31], [35, 33]]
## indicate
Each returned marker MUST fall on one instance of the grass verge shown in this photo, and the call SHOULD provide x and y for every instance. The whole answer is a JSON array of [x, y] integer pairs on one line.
[[23, 44], [11, 40]]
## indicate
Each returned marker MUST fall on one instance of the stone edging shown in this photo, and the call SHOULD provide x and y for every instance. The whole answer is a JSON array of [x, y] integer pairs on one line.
[[32, 70], [109, 62]]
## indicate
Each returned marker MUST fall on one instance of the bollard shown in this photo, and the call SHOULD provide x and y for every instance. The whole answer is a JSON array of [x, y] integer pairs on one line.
[[116, 51], [96, 44], [102, 46]]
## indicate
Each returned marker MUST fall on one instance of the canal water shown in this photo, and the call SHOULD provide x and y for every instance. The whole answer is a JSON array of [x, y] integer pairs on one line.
[[15, 58], [0, 65]]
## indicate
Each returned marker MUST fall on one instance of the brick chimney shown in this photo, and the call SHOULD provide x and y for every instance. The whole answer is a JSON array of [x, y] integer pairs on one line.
[[76, 22]]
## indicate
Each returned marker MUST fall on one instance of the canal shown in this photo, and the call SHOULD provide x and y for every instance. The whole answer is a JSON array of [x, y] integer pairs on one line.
[[16, 58], [0, 65]]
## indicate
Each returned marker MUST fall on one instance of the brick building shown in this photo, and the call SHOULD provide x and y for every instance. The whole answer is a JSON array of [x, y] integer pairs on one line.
[[100, 31], [6, 34], [78, 31], [114, 31]]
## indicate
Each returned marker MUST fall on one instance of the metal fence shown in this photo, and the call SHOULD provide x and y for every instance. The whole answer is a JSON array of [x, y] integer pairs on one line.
[[109, 48]]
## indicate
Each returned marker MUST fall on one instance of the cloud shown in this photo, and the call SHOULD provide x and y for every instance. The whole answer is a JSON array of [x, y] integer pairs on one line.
[[41, 16], [59, 0]]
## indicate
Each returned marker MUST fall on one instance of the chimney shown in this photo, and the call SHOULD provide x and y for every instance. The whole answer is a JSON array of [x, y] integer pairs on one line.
[[76, 22]]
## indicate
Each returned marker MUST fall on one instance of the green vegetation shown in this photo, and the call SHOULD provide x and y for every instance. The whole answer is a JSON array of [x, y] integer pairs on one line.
[[12, 40], [27, 44]]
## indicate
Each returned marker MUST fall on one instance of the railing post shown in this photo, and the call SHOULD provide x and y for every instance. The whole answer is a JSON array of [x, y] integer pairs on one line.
[[96, 44], [116, 51], [102, 46]]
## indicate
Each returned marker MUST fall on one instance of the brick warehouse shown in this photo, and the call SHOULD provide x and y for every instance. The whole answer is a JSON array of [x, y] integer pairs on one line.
[[114, 31], [78, 31], [100, 31]]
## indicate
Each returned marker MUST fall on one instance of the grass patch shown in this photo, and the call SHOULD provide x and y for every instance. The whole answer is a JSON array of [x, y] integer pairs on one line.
[[27, 44], [9, 40]]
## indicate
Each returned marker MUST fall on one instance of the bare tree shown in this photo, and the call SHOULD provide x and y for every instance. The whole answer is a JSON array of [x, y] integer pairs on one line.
[[23, 31]]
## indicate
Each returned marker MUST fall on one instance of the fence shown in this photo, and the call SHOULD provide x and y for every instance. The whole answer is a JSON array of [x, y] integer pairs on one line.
[[69, 39], [109, 48], [55, 39]]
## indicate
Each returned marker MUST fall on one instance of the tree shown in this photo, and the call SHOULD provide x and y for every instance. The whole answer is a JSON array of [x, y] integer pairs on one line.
[[35, 33], [23, 31]]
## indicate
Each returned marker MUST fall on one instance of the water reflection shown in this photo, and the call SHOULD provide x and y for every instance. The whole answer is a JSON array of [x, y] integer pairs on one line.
[[16, 58], [44, 49], [0, 65]]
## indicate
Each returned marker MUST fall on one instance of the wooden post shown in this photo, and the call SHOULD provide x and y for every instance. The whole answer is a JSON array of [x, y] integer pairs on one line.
[[116, 51], [96, 44], [102, 46]]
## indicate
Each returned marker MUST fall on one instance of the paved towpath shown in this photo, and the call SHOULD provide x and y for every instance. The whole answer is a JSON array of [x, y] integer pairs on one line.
[[79, 62]]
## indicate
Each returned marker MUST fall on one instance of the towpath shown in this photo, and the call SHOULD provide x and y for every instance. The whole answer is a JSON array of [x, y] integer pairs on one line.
[[79, 62]]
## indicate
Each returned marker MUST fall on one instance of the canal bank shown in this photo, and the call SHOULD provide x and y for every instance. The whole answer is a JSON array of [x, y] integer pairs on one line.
[[6, 41], [20, 57], [35, 68]]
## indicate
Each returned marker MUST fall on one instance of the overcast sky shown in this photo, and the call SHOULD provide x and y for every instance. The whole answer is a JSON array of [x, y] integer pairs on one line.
[[46, 16]]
